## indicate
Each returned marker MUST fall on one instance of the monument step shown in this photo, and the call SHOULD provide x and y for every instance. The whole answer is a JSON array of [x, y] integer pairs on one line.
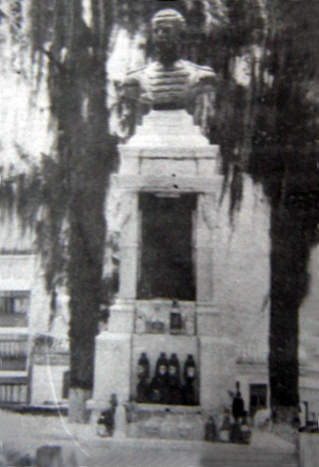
[[168, 130], [167, 140]]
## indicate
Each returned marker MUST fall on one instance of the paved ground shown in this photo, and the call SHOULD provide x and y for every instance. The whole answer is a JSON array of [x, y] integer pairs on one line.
[[27, 433]]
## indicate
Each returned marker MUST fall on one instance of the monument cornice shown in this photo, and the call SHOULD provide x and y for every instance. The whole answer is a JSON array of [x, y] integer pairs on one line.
[[169, 184], [169, 152]]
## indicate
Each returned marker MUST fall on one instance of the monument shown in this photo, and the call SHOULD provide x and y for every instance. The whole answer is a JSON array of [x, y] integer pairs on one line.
[[164, 347]]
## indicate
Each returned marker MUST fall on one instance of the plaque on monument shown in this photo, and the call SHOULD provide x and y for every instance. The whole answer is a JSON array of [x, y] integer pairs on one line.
[[175, 321]]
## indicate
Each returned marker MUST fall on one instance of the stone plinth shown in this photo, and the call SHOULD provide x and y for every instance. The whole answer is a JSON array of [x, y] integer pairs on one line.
[[166, 422], [122, 317], [112, 372]]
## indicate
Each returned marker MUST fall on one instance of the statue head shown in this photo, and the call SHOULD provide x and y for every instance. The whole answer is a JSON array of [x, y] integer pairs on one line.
[[167, 26]]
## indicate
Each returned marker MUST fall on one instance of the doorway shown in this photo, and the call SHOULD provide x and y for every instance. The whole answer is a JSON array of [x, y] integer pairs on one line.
[[258, 398]]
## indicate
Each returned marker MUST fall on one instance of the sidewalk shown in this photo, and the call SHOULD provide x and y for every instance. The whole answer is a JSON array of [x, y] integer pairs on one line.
[[27, 433]]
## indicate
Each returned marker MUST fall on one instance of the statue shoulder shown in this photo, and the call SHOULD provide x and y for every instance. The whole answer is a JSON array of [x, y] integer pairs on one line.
[[200, 73], [134, 76]]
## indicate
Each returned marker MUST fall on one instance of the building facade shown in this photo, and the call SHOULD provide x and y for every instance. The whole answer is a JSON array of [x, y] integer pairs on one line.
[[33, 353]]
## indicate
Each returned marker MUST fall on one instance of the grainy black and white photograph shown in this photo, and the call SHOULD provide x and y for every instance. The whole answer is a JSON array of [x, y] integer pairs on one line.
[[159, 287]]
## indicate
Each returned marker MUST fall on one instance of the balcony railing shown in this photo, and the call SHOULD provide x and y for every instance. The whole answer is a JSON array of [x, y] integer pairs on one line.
[[13, 355], [16, 320], [13, 391]]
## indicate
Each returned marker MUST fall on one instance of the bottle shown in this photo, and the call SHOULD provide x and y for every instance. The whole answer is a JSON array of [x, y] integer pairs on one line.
[[190, 372], [143, 370], [190, 376], [174, 383], [143, 366], [162, 366], [173, 369], [159, 384]]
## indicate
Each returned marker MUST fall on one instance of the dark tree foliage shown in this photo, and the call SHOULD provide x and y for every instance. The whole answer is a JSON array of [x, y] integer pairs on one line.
[[285, 161], [76, 183]]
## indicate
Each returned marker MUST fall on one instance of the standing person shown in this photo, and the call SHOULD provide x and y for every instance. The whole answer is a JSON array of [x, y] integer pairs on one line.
[[106, 422], [238, 407]]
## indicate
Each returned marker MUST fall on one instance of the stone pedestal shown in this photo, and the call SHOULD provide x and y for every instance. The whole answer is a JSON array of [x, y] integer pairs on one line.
[[122, 317], [112, 371], [167, 157]]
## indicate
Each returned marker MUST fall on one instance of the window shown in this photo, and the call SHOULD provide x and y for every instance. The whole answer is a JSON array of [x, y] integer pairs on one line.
[[13, 391], [13, 355], [258, 398], [14, 302], [14, 306]]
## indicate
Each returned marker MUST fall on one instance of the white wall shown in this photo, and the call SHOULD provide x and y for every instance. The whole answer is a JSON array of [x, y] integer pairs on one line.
[[23, 272], [242, 270], [47, 383]]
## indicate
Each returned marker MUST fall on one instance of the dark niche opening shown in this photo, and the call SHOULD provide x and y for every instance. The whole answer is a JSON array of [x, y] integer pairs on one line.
[[166, 266]]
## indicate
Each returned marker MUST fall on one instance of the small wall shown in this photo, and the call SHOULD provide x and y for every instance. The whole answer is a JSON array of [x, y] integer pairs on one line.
[[47, 384], [309, 450], [167, 422]]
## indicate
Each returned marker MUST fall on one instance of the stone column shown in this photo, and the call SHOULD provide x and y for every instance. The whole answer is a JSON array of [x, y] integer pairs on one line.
[[112, 371], [129, 245], [122, 312], [204, 249], [113, 350]]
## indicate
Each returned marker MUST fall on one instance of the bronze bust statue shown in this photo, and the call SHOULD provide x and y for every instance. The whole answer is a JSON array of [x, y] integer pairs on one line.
[[168, 82]]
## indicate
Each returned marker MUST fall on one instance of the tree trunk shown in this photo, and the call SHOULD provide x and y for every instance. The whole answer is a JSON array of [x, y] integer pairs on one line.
[[289, 257], [86, 153], [77, 405], [290, 180]]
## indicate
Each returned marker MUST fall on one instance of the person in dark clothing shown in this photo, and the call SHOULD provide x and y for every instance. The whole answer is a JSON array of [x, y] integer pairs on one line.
[[238, 407], [106, 421]]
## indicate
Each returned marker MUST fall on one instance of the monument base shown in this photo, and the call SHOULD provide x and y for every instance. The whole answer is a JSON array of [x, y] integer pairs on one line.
[[116, 363]]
